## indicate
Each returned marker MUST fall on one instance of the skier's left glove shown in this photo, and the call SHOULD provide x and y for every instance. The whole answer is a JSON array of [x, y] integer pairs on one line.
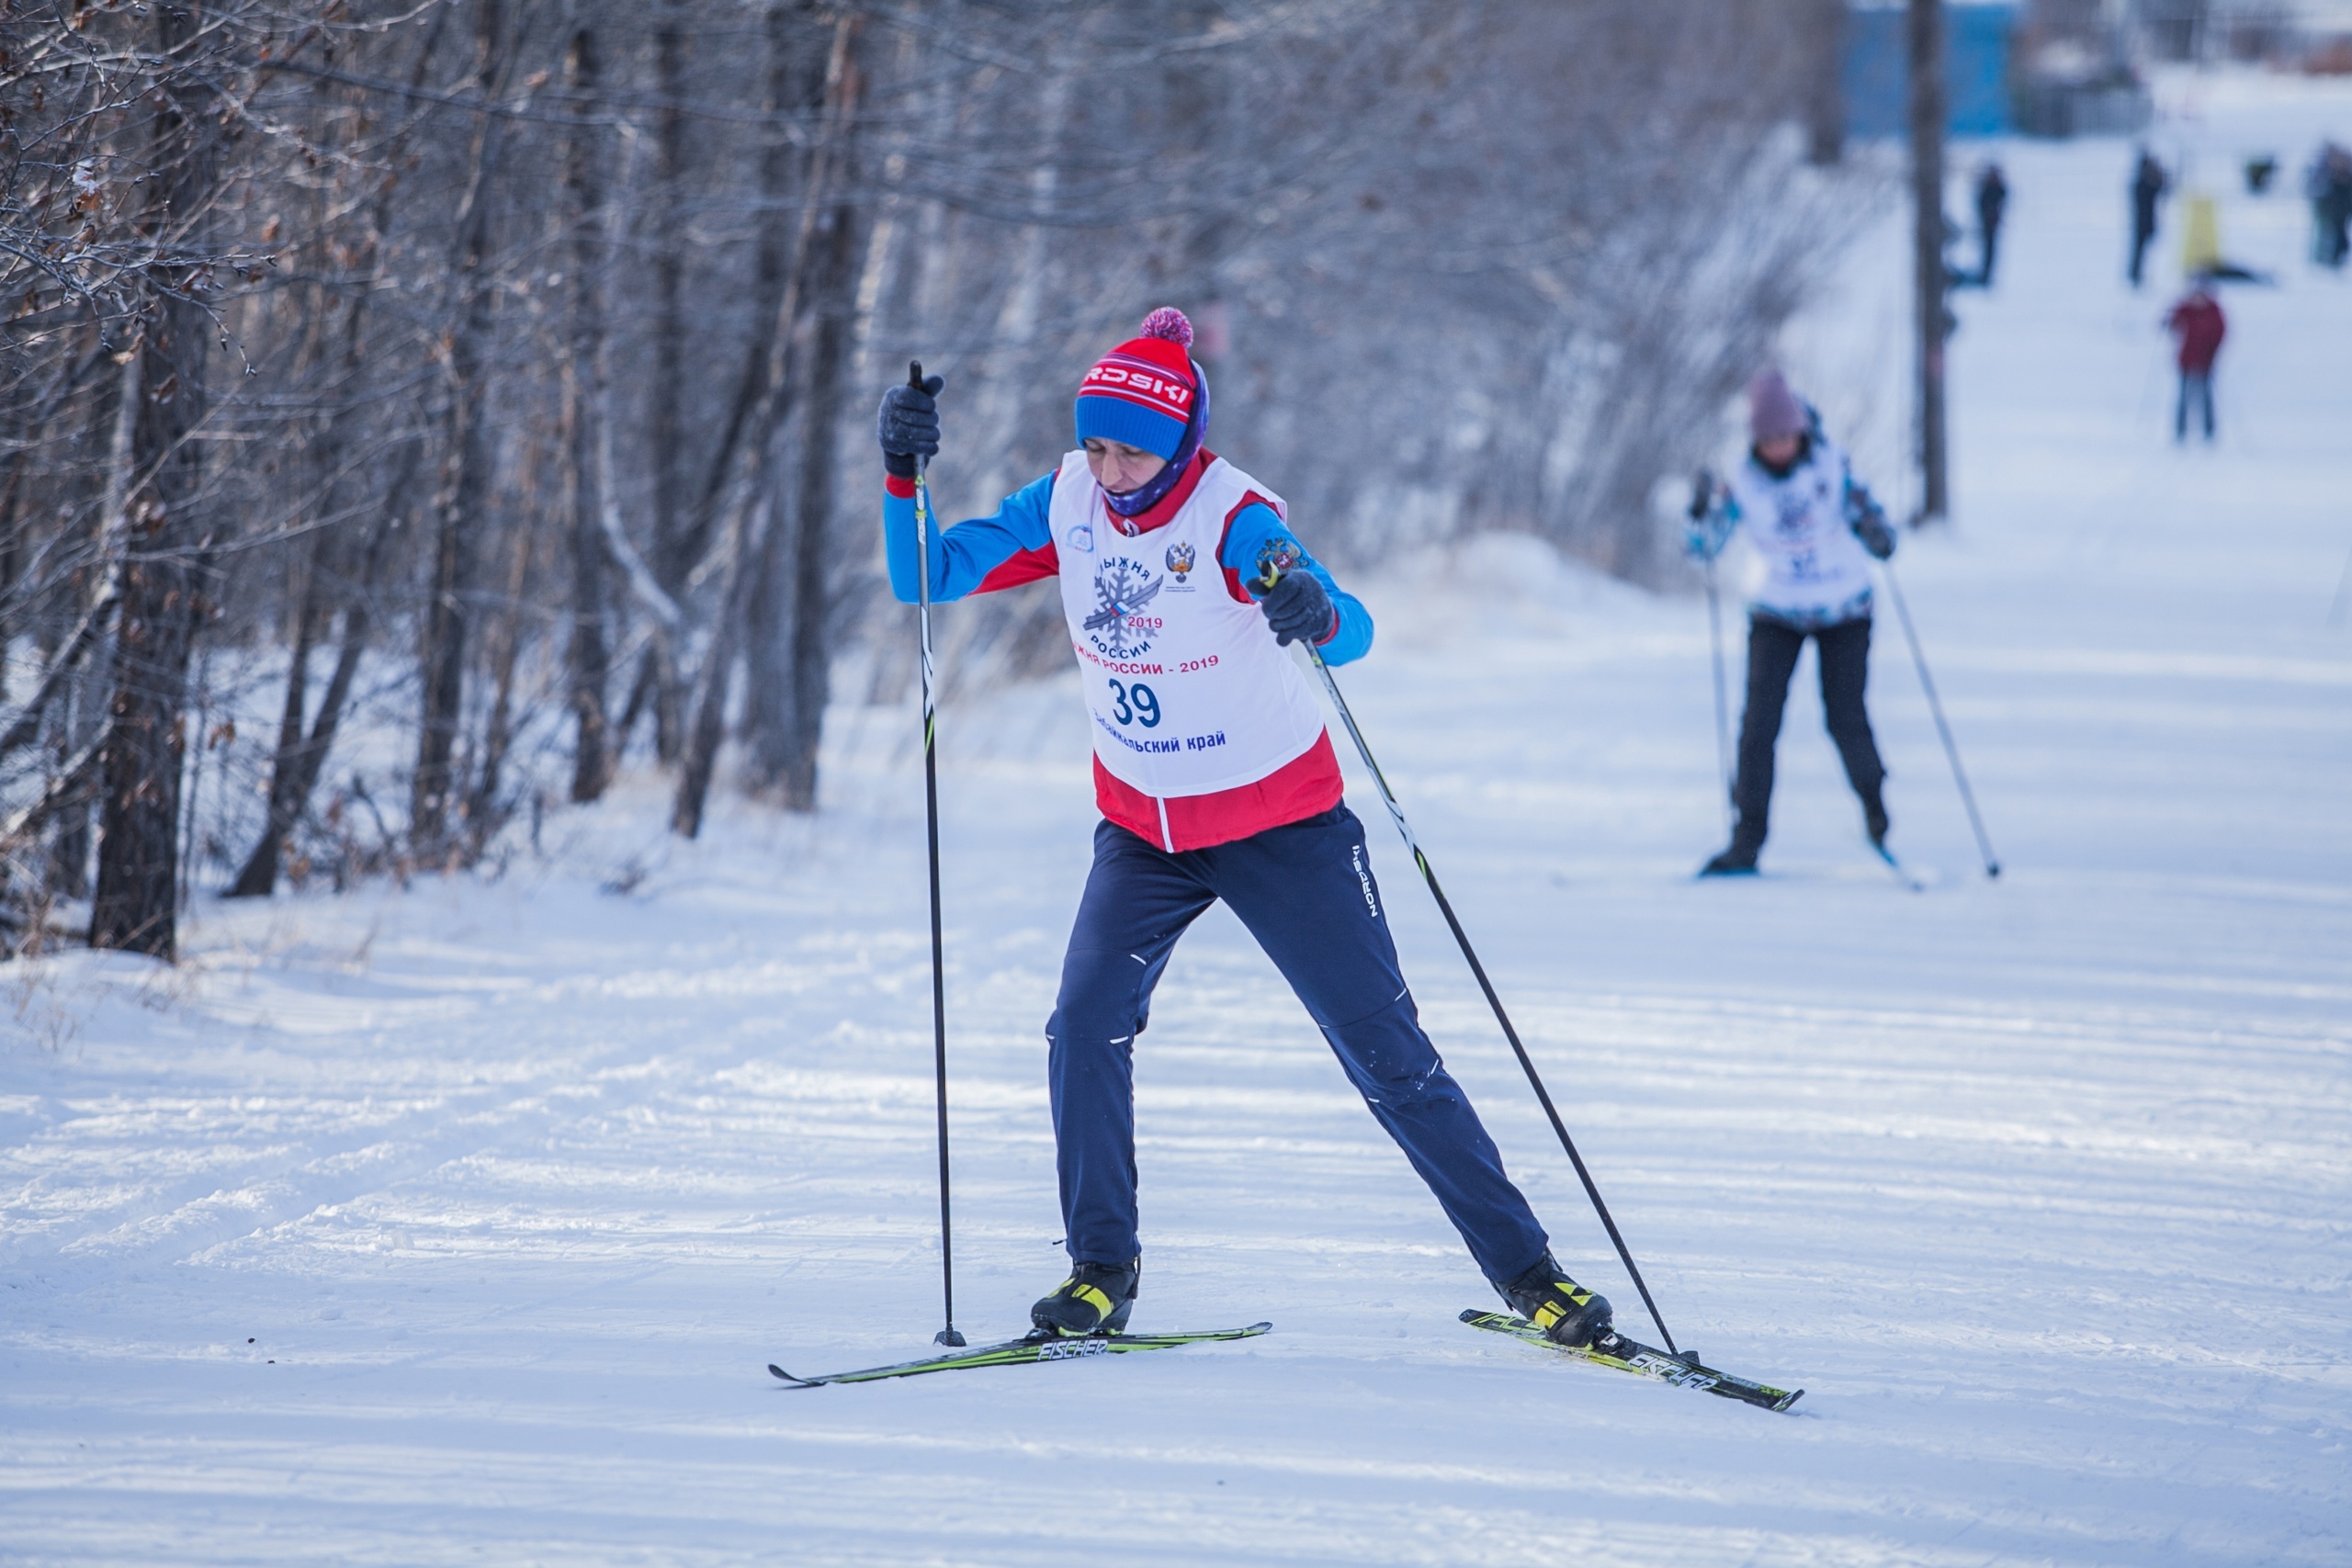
[[1299, 610], [1870, 528]]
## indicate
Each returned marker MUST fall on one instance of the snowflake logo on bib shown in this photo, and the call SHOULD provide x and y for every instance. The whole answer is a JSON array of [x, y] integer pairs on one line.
[[1118, 627]]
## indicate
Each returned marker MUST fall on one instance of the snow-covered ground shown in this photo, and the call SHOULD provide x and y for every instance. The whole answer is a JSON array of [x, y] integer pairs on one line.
[[457, 1224]]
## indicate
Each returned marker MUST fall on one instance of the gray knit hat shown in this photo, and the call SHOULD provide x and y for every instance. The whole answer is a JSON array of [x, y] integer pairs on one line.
[[1772, 409]]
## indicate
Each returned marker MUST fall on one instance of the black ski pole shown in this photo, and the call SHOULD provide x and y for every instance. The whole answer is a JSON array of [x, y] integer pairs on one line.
[[1935, 707], [1527, 1062], [1723, 718], [947, 1336]]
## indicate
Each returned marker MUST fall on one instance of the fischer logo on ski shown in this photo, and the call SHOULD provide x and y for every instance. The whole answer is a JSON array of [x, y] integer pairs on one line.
[[1071, 1349]]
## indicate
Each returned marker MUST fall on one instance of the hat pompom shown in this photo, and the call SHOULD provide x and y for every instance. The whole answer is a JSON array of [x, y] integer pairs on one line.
[[1168, 323]]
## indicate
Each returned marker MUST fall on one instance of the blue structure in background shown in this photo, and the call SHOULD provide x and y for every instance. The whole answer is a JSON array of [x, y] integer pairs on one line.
[[1876, 78]]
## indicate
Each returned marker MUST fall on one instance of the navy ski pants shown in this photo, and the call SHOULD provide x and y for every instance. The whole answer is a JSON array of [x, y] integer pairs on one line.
[[1306, 892]]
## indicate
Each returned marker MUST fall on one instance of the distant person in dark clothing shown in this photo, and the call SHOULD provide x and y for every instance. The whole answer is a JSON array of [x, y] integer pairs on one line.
[[2148, 186], [1992, 198], [2329, 186], [2197, 322]]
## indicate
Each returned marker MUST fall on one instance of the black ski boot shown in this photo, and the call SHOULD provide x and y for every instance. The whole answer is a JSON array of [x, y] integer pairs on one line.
[[1095, 1299], [1874, 822], [1737, 859], [1567, 1313]]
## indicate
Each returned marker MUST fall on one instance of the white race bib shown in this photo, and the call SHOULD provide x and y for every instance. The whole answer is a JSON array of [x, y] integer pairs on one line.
[[1797, 526], [1186, 690]]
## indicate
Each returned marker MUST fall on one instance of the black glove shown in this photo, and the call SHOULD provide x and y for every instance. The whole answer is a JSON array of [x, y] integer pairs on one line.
[[1870, 527], [1702, 494], [908, 423], [1298, 609]]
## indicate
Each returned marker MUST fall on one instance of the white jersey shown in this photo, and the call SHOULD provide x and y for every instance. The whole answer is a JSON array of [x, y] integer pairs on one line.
[[1187, 691], [1815, 570]]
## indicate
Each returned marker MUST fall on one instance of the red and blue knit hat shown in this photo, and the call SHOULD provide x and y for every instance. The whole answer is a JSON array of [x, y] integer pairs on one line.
[[1145, 392]]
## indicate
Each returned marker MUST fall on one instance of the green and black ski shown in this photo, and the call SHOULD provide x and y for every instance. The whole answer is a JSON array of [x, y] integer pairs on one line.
[[1614, 1349], [1016, 1352]]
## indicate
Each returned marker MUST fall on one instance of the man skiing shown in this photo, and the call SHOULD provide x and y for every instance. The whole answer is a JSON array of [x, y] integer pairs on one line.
[[1182, 585], [1810, 520]]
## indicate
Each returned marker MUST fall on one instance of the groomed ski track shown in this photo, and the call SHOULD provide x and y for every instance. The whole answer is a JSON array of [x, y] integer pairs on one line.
[[454, 1225]]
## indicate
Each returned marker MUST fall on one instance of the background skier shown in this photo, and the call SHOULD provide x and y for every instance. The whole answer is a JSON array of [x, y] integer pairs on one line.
[[1992, 201], [2328, 184], [2197, 325], [1215, 780], [1811, 522], [2148, 186]]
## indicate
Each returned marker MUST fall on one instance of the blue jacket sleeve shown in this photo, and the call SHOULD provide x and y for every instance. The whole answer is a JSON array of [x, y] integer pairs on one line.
[[962, 556], [1257, 540]]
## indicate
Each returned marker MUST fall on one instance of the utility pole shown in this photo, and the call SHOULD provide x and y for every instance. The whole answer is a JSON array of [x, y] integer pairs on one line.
[[1927, 70]]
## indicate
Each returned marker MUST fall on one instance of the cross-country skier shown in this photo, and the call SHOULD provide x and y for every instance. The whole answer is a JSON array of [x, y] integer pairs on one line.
[[1802, 511], [1215, 780]]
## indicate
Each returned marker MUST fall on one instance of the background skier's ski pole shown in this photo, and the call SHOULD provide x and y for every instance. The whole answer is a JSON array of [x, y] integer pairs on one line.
[[1935, 707], [947, 1336], [1723, 714], [1527, 1062]]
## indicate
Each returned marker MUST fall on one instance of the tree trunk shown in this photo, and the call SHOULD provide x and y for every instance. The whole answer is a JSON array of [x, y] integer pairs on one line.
[[136, 906], [786, 661], [258, 877], [659, 679], [1926, 38], [740, 486], [588, 656], [1822, 83], [485, 812], [767, 396], [294, 772], [794, 90], [699, 759], [464, 493]]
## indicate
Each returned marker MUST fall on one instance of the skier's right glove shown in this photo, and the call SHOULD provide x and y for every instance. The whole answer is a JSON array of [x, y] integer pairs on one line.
[[1699, 540], [908, 424], [1300, 611], [1702, 494]]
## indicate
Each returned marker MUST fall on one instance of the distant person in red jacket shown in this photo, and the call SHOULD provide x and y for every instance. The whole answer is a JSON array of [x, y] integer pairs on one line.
[[2197, 322]]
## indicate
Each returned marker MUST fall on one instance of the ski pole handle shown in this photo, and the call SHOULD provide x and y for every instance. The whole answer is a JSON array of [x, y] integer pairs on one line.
[[914, 380]]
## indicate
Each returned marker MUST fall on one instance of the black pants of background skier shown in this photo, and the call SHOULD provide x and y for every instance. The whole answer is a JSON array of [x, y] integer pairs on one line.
[[2144, 231], [1772, 648], [2196, 387]]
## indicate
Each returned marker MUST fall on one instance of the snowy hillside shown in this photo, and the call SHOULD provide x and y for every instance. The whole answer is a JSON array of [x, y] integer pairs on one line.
[[457, 1224]]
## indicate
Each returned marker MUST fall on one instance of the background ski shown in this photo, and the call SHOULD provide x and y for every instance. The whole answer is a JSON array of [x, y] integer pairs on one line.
[[1630, 1356], [1902, 873], [1015, 1352]]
